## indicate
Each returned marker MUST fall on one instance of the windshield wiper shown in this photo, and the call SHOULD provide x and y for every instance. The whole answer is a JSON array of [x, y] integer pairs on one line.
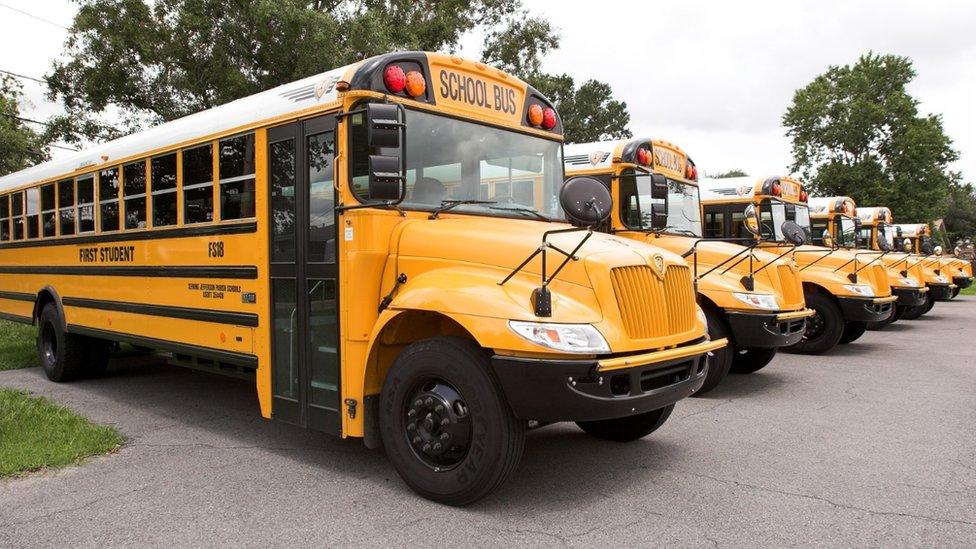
[[451, 204], [674, 228], [521, 210]]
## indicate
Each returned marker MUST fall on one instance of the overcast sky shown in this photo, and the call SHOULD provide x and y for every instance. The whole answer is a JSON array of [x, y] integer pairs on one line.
[[712, 77]]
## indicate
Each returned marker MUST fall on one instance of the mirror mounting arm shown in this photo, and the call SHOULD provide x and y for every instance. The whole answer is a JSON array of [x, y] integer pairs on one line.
[[541, 297]]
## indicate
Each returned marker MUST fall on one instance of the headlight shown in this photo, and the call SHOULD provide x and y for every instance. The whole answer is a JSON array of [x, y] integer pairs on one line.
[[942, 279], [570, 338], [760, 301], [909, 282], [860, 289]]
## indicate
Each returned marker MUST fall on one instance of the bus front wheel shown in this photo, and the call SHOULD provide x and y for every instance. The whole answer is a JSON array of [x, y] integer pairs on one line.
[[853, 331], [627, 429], [64, 356], [752, 360], [721, 360], [445, 423], [824, 329]]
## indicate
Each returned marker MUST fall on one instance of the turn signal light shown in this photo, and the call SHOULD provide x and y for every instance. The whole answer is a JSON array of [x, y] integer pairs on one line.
[[536, 115], [415, 84], [394, 79], [804, 196], [777, 189], [548, 118]]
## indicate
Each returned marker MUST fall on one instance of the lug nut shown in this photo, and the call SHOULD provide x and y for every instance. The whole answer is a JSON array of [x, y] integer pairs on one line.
[[429, 401], [437, 446], [445, 436], [445, 422], [418, 403], [412, 413], [439, 409], [411, 426], [416, 440], [426, 447]]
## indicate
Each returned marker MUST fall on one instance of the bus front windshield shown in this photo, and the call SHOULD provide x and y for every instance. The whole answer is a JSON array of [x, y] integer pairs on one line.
[[846, 230], [683, 205], [774, 212], [507, 174], [886, 233]]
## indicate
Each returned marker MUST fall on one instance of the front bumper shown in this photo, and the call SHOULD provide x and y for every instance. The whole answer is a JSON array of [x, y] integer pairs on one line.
[[766, 330], [910, 297], [594, 389], [940, 292], [871, 309], [962, 281]]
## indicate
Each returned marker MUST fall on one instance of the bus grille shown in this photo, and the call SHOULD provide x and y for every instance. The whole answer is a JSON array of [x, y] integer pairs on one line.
[[792, 287], [651, 307]]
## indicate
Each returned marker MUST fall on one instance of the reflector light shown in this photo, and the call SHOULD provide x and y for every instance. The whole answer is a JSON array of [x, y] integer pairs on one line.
[[777, 190], [691, 172], [416, 85], [535, 115], [548, 119], [804, 196], [641, 157], [394, 79]]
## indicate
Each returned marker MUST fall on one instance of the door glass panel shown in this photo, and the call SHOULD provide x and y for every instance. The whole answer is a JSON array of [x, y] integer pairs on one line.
[[286, 354], [323, 336], [282, 168], [321, 198]]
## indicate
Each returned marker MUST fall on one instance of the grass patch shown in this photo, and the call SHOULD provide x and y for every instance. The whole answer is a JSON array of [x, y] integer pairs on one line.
[[17, 347], [36, 434], [969, 291]]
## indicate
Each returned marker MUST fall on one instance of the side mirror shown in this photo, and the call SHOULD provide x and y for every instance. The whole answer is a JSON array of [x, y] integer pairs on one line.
[[659, 187], [794, 233], [884, 245], [906, 245], [586, 201], [387, 173], [937, 250], [828, 239], [751, 220], [659, 215]]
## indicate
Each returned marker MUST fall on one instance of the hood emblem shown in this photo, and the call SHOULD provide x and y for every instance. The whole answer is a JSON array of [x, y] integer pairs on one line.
[[597, 157], [658, 264]]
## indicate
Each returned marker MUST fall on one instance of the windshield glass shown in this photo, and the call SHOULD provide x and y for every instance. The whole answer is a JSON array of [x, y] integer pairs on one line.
[[886, 233], [773, 213], [846, 231], [450, 159], [684, 207]]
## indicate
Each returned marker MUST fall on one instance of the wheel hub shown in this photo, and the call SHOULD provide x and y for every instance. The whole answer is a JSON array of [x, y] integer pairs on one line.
[[815, 326], [49, 344], [438, 425]]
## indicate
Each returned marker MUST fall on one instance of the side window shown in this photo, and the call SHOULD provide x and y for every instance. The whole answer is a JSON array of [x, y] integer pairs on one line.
[[198, 185], [714, 224], [48, 211], [281, 169], [33, 211], [4, 217], [321, 198], [818, 228], [108, 199], [134, 192], [237, 177], [66, 206], [163, 170], [86, 204], [17, 212]]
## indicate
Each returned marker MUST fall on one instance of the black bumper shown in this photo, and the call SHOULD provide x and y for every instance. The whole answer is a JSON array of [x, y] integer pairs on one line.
[[909, 297], [962, 281], [940, 292], [751, 330], [573, 390], [857, 309]]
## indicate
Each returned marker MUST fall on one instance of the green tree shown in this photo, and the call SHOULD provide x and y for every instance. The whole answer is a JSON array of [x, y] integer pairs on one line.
[[960, 215], [20, 145], [856, 131], [731, 173], [154, 62]]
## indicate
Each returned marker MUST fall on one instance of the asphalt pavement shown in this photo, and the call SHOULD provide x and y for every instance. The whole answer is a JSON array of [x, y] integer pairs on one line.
[[870, 445]]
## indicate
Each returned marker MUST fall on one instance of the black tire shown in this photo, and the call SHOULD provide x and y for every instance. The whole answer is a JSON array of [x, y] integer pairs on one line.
[[62, 355], [882, 323], [824, 329], [912, 313], [899, 312], [721, 360], [928, 306], [853, 331], [435, 387], [752, 360], [955, 292], [627, 429]]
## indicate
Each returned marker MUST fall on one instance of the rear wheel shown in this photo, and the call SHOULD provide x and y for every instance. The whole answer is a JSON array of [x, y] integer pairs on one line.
[[65, 356], [721, 360], [911, 313], [445, 423], [852, 331], [882, 323], [752, 360], [626, 429], [955, 292], [928, 306], [824, 329]]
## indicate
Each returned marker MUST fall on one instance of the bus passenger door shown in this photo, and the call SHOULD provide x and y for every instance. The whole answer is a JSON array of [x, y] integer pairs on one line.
[[304, 275]]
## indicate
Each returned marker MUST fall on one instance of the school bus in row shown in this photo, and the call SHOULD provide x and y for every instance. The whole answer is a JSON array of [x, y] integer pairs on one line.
[[917, 237], [835, 215], [332, 239], [876, 232], [752, 297], [844, 292]]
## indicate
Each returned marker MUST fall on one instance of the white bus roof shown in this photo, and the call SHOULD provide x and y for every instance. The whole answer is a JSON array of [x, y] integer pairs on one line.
[[710, 188], [590, 155]]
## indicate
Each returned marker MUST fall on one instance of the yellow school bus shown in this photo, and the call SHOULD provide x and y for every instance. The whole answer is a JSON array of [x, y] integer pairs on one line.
[[336, 240], [917, 238], [845, 291], [907, 275], [752, 297], [837, 217]]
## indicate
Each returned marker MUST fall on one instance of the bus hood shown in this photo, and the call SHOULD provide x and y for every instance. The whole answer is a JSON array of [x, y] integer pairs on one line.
[[815, 262]]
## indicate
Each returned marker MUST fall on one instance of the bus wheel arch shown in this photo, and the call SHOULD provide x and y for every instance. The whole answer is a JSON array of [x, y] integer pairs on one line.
[[46, 295]]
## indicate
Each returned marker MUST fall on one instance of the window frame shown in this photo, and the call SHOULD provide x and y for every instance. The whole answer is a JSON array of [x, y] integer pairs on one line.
[[219, 180], [5, 219], [126, 198], [195, 186], [36, 191], [88, 177], [175, 190]]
